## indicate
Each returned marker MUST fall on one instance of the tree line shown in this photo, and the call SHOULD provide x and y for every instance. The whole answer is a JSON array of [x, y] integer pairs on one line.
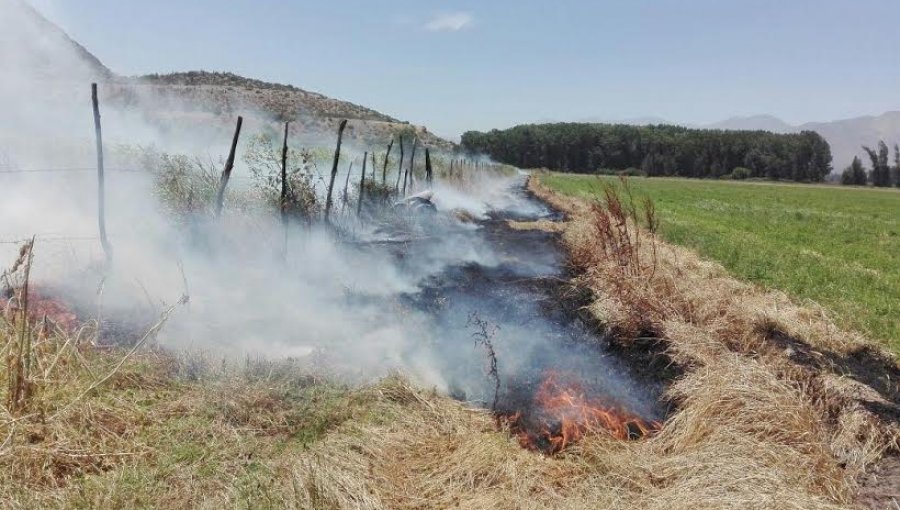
[[661, 150], [882, 174]]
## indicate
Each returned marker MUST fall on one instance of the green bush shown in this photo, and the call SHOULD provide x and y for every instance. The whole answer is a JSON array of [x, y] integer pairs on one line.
[[740, 173], [632, 172]]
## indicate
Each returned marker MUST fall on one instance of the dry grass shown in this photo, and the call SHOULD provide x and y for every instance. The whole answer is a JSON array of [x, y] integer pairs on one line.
[[760, 368], [771, 414], [105, 429]]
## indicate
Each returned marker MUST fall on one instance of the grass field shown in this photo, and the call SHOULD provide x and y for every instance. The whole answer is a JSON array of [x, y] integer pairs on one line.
[[839, 247]]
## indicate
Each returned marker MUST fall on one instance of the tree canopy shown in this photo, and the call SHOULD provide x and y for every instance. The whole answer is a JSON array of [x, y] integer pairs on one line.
[[881, 170], [660, 150], [855, 174]]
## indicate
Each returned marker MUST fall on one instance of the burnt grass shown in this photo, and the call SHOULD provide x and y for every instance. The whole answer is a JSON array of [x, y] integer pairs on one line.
[[862, 364], [531, 289]]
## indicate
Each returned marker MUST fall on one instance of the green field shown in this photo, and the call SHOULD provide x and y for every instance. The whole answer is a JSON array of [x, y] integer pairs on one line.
[[839, 247]]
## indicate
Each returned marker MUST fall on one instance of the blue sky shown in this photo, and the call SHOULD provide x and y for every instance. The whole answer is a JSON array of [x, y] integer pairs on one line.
[[465, 65]]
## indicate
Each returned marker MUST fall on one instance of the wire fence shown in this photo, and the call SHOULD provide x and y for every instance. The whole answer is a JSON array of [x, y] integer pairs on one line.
[[49, 238], [69, 169], [75, 170], [55, 237]]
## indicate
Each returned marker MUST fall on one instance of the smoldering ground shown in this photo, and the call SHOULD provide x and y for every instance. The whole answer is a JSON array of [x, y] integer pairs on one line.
[[384, 294], [359, 306]]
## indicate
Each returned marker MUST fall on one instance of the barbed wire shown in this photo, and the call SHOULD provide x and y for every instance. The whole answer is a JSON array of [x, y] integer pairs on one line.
[[70, 169], [122, 170], [49, 238]]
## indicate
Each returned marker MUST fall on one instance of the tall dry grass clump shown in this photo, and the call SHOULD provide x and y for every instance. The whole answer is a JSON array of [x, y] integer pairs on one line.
[[19, 385]]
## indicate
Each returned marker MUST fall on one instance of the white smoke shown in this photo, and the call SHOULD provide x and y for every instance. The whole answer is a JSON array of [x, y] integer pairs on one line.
[[356, 304]]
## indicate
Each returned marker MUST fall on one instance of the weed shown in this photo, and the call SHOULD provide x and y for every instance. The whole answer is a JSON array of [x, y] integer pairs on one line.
[[484, 335]]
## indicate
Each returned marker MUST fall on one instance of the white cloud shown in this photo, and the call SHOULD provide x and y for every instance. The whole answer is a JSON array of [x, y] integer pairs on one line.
[[450, 22]]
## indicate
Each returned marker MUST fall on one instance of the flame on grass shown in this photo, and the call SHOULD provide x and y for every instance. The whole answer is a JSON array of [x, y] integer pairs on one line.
[[562, 412]]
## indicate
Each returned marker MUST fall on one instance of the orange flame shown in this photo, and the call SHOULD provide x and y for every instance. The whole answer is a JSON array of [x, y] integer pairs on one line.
[[40, 306], [563, 414]]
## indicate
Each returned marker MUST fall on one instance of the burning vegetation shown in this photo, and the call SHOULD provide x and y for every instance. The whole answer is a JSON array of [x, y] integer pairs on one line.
[[382, 276], [562, 410], [21, 301], [177, 429]]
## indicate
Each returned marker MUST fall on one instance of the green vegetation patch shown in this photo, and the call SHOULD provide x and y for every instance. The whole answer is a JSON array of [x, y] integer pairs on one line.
[[838, 247], [657, 150]]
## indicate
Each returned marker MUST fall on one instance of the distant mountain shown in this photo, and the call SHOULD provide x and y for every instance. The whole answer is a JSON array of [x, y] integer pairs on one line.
[[846, 136], [754, 123], [33, 45], [632, 121]]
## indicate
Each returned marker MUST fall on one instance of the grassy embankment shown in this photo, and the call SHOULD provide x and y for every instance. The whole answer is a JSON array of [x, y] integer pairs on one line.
[[839, 247], [767, 415]]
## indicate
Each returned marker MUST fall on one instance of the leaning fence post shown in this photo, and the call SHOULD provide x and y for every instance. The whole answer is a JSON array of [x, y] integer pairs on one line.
[[334, 167], [101, 184], [345, 198], [362, 186], [386, 156], [412, 163], [428, 177], [399, 167], [284, 185], [373, 166], [229, 165]]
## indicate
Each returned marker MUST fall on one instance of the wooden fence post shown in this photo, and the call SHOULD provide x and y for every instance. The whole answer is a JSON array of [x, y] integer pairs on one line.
[[284, 183], [399, 167], [334, 167], [345, 198], [412, 163], [362, 185], [101, 178], [428, 176], [229, 165], [386, 156], [284, 189]]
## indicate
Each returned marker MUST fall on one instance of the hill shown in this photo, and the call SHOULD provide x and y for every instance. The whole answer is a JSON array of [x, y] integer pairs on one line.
[[754, 123], [846, 136], [41, 52], [29, 41], [282, 100]]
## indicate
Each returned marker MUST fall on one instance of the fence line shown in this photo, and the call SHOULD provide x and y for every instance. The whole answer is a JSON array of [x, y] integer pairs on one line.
[[120, 170], [48, 238], [70, 169]]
